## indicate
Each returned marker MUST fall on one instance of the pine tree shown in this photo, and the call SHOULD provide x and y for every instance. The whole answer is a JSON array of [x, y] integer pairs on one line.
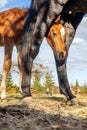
[[9, 81], [36, 81], [0, 78], [49, 83], [77, 87], [77, 83], [85, 83]]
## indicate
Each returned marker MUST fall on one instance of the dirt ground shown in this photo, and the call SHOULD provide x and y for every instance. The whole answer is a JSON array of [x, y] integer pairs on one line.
[[43, 113]]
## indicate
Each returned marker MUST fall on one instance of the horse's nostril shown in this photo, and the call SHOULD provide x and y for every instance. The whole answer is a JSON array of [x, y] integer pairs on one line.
[[61, 56]]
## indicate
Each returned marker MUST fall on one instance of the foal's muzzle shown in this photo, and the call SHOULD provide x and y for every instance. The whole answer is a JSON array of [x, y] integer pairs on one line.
[[61, 55]]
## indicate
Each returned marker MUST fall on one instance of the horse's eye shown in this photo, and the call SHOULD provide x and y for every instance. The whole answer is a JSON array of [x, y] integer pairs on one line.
[[54, 34]]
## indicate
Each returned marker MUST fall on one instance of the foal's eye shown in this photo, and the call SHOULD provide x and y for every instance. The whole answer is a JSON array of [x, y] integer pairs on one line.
[[54, 34]]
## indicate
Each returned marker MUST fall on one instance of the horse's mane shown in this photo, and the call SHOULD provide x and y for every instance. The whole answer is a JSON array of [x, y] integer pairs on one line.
[[76, 6]]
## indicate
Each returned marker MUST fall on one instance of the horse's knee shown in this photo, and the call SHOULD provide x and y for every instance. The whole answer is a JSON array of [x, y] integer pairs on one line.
[[7, 65], [34, 51]]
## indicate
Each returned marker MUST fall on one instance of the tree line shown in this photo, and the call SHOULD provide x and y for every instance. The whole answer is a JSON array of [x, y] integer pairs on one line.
[[42, 81]]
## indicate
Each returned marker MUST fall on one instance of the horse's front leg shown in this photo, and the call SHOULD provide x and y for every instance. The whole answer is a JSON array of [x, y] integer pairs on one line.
[[27, 62], [63, 80], [32, 40], [61, 65], [26, 77]]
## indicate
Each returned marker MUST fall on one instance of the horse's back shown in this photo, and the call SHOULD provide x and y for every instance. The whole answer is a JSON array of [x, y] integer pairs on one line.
[[12, 21]]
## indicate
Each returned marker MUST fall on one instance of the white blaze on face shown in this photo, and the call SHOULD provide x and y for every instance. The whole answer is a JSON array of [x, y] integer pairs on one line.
[[62, 31]]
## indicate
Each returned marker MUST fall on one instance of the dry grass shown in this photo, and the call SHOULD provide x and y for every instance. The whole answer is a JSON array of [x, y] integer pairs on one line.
[[43, 113]]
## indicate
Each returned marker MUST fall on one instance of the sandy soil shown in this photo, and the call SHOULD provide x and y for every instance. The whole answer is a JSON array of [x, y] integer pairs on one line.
[[43, 113]]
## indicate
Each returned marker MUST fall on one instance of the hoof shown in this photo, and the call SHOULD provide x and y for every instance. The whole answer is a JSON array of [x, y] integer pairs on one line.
[[26, 95], [3, 95], [27, 101], [4, 100], [73, 102]]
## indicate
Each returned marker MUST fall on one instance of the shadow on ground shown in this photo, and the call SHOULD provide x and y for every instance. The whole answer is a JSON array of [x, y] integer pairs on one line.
[[47, 114]]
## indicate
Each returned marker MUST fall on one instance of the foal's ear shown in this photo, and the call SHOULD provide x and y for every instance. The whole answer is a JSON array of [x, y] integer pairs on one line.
[[57, 21]]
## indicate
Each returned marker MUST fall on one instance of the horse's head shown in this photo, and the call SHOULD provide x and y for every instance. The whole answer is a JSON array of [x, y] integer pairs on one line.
[[56, 39]]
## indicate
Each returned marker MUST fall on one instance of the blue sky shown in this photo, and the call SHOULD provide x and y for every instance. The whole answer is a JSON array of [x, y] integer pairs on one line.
[[77, 59], [6, 4]]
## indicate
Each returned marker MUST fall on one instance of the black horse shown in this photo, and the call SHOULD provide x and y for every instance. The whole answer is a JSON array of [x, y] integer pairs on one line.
[[41, 15]]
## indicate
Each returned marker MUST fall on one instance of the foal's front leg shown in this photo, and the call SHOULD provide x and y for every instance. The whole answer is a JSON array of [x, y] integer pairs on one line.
[[6, 67]]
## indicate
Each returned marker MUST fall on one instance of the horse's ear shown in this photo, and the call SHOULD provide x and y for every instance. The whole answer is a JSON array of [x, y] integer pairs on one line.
[[57, 19]]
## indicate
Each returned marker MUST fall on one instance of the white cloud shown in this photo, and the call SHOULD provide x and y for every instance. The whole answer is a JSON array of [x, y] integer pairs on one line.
[[84, 19], [77, 58], [3, 3], [78, 40]]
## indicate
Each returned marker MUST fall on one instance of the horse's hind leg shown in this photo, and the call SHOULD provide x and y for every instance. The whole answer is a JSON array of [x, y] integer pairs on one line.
[[19, 49], [6, 67]]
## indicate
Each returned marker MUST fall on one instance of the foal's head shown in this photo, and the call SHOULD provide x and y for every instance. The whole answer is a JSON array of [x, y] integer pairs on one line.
[[56, 38]]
